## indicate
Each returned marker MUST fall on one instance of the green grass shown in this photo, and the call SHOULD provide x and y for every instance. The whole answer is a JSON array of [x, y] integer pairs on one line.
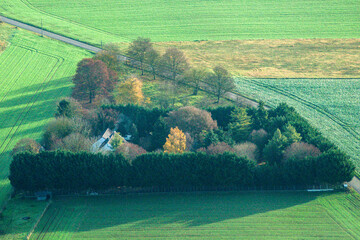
[[183, 20], [331, 105], [34, 73], [282, 215], [12, 224]]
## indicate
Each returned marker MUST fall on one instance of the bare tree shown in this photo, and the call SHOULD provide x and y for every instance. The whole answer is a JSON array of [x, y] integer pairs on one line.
[[152, 57], [138, 49], [220, 82], [175, 60], [195, 76]]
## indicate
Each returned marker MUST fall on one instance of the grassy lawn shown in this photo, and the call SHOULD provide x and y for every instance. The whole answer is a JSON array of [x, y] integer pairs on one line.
[[109, 20], [331, 105], [34, 73], [282, 215]]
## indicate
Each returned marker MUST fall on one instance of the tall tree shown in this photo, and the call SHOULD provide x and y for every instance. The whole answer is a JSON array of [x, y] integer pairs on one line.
[[240, 127], [273, 151], [195, 76], [108, 58], [152, 57], [175, 60], [220, 82], [92, 78], [129, 91], [138, 49], [176, 141]]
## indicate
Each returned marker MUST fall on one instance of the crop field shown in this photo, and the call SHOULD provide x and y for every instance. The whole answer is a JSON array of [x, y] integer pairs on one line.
[[34, 73], [282, 215], [331, 105], [110, 20]]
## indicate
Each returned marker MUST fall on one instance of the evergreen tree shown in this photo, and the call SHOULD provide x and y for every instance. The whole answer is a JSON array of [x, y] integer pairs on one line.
[[291, 134], [273, 151], [260, 116], [240, 126]]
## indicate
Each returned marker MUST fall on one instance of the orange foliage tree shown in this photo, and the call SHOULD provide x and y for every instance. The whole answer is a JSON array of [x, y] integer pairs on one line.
[[176, 142]]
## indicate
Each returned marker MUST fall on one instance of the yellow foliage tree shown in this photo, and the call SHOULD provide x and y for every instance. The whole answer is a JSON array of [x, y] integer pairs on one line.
[[176, 142], [129, 92]]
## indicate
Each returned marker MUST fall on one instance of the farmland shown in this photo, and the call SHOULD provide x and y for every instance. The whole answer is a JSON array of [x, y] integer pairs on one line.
[[286, 215], [121, 21], [34, 74], [331, 105]]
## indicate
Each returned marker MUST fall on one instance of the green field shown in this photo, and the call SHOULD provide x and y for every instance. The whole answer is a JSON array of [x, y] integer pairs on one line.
[[34, 73], [331, 105], [282, 215], [183, 20]]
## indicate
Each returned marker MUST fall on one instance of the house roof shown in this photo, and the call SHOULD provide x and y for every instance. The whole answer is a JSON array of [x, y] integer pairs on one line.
[[107, 134]]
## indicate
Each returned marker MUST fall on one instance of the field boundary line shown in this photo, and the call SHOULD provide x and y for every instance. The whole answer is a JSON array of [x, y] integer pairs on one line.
[[38, 221]]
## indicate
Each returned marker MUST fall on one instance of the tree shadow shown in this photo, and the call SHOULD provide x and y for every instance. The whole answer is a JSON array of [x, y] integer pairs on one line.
[[145, 211]]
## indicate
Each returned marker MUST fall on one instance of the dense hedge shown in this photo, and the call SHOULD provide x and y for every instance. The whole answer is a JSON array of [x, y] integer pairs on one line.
[[82, 171]]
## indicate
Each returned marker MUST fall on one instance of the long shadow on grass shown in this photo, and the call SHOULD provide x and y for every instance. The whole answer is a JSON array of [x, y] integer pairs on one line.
[[35, 106], [187, 209]]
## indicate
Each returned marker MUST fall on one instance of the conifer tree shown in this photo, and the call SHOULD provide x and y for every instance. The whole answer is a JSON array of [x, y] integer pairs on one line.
[[240, 126], [273, 151]]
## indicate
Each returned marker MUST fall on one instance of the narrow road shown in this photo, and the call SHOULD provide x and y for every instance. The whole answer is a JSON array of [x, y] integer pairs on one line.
[[355, 184], [229, 95], [50, 34]]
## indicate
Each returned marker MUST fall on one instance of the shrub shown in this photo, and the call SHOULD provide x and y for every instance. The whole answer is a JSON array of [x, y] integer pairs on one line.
[[301, 150], [116, 141], [26, 145], [130, 150], [219, 148], [247, 149], [75, 142], [56, 130]]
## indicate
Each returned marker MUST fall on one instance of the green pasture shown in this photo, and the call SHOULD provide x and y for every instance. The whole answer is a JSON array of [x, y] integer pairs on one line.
[[34, 73], [183, 20], [331, 105], [257, 215]]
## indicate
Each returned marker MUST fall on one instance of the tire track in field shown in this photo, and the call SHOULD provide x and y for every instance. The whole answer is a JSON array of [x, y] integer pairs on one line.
[[17, 125], [31, 6], [309, 104]]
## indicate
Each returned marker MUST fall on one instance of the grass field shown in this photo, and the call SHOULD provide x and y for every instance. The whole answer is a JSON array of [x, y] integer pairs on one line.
[[34, 73], [183, 20], [284, 58], [331, 105], [282, 215]]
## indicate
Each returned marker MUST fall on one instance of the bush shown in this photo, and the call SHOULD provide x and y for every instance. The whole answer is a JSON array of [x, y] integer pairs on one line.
[[26, 145], [301, 150], [130, 150], [219, 148], [68, 107], [75, 142], [56, 130], [248, 150]]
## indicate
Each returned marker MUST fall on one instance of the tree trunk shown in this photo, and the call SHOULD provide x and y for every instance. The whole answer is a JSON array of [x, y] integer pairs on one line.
[[141, 67]]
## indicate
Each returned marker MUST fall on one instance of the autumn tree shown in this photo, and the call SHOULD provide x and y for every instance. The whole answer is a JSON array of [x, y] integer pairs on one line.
[[92, 78], [116, 141], [138, 49], [176, 141], [195, 76], [108, 58], [191, 119], [175, 60], [129, 91], [26, 145], [220, 82], [152, 57]]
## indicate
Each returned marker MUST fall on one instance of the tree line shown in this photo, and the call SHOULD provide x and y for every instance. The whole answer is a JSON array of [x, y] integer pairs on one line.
[[69, 171]]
